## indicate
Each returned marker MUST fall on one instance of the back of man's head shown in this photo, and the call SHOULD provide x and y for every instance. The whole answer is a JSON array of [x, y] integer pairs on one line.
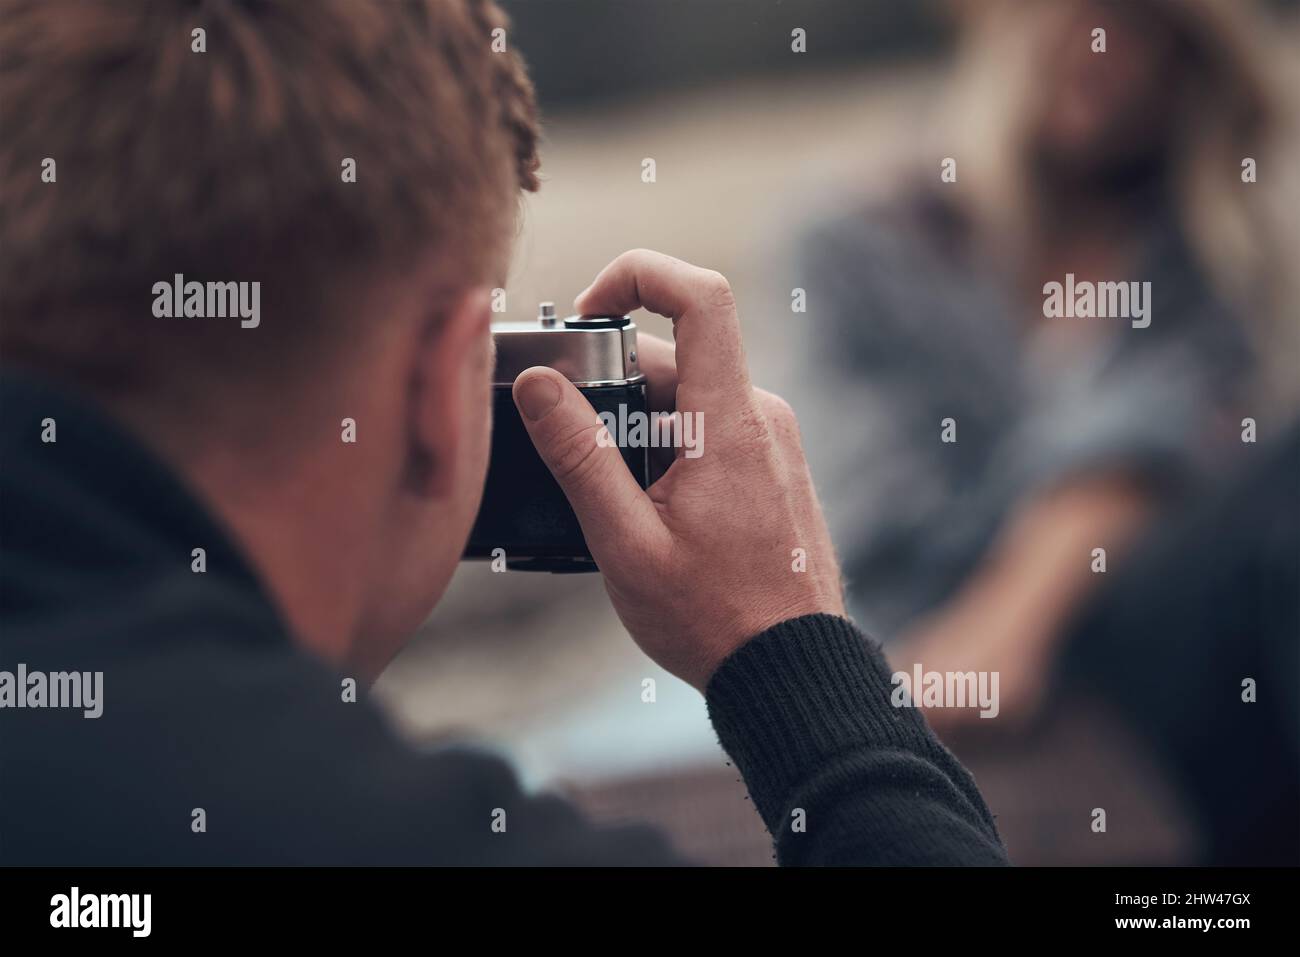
[[298, 145]]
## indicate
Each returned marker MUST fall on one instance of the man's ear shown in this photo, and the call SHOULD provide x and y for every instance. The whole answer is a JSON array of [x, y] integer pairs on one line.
[[452, 363]]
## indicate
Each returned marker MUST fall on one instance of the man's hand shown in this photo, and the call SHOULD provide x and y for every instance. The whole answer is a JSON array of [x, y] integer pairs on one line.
[[707, 557]]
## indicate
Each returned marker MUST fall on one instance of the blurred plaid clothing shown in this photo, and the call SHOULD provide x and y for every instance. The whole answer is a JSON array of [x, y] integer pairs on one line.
[[912, 323]]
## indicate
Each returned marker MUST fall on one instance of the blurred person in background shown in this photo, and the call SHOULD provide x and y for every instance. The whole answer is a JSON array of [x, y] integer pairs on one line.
[[1070, 433]]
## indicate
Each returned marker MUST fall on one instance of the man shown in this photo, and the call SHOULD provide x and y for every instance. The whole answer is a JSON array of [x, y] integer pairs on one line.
[[229, 517]]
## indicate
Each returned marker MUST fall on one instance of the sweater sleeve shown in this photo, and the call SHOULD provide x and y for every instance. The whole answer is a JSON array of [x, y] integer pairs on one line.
[[804, 710]]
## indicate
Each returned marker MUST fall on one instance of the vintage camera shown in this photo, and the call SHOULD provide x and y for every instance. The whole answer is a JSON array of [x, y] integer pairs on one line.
[[524, 512]]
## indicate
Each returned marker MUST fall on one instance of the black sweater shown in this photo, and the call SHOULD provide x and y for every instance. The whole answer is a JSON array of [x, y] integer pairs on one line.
[[208, 705]]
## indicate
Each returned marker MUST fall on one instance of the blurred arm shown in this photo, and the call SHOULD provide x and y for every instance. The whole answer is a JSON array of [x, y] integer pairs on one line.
[[1042, 565], [1009, 616]]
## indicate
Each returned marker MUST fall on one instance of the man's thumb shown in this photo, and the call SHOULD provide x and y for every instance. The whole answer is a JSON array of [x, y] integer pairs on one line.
[[610, 505]]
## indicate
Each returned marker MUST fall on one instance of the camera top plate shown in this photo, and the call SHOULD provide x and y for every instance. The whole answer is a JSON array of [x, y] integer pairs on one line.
[[587, 350]]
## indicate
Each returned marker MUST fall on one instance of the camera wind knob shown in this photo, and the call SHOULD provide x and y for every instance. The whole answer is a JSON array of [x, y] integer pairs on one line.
[[546, 314]]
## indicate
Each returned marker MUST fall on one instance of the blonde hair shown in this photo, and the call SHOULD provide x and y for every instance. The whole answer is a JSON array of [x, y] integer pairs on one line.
[[1244, 235]]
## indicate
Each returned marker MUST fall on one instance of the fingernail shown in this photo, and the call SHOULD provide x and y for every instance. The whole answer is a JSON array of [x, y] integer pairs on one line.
[[578, 298], [536, 396]]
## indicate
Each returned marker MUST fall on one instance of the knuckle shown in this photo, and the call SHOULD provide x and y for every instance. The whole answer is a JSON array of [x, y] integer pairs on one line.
[[641, 258], [777, 407], [576, 457], [778, 410], [783, 421], [717, 289], [753, 431]]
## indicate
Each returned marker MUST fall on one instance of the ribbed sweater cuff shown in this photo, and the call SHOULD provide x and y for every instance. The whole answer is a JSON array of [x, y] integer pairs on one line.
[[799, 694]]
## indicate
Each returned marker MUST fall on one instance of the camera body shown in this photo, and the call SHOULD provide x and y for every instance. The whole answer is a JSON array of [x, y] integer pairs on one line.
[[524, 513]]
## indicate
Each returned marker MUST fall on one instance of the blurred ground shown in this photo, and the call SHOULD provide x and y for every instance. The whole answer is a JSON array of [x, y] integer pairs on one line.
[[1042, 790], [538, 666]]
